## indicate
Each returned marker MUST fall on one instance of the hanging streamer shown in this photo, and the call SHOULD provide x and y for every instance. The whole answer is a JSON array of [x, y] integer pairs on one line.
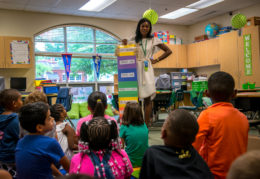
[[97, 62], [67, 61]]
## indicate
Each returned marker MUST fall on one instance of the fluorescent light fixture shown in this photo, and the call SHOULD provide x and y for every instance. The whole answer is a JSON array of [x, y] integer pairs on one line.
[[96, 5], [203, 4], [178, 13]]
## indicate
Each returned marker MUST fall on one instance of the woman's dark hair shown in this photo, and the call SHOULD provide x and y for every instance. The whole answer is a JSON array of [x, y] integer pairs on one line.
[[7, 97], [97, 101], [56, 111], [132, 114], [184, 127], [32, 114], [98, 132], [138, 35]]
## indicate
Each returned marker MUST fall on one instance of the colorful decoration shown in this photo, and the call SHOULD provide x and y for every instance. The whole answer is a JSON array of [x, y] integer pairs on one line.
[[67, 61], [151, 15], [127, 76], [163, 36], [238, 21], [97, 62], [211, 30]]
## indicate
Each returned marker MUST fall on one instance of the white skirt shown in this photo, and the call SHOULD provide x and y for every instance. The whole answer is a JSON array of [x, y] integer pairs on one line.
[[146, 81]]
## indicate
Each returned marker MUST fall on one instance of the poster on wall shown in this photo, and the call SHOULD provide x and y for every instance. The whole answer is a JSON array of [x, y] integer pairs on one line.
[[20, 52], [97, 62], [67, 61], [248, 55]]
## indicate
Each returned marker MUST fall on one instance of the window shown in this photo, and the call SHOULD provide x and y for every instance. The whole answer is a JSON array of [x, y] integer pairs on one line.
[[82, 42]]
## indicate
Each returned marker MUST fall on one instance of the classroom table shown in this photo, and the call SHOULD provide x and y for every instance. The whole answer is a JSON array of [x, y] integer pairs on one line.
[[249, 103]]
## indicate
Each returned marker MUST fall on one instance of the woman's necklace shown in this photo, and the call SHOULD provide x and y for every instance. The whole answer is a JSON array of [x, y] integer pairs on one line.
[[144, 49]]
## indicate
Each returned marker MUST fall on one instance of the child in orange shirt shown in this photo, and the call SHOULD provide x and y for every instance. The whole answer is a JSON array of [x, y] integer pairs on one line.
[[223, 130]]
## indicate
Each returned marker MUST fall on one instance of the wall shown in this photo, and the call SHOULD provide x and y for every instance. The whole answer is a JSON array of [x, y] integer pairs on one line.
[[223, 20], [20, 23]]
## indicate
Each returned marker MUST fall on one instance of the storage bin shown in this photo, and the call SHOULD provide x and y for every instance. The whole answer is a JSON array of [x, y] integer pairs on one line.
[[50, 89]]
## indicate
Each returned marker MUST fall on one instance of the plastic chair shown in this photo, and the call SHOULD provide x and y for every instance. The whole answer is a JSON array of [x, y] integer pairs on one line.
[[196, 101], [179, 97], [65, 98]]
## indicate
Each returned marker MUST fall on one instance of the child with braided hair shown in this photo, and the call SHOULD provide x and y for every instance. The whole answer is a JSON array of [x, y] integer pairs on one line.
[[97, 104], [99, 154]]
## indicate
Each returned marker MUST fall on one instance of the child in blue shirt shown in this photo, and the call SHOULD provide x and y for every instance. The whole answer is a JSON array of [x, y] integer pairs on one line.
[[10, 101], [134, 133], [35, 153]]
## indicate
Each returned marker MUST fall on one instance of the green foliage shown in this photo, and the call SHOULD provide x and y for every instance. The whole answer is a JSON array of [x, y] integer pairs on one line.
[[41, 69]]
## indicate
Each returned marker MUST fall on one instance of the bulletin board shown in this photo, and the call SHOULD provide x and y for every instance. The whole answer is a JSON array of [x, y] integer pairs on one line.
[[18, 52]]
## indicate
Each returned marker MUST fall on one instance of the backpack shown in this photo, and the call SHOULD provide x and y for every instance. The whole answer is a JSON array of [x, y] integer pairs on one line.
[[163, 82]]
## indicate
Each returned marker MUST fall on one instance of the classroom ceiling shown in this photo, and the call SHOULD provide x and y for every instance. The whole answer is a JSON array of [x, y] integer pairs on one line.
[[129, 9]]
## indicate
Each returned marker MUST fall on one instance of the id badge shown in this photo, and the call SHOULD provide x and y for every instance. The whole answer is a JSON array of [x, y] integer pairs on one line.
[[146, 63]]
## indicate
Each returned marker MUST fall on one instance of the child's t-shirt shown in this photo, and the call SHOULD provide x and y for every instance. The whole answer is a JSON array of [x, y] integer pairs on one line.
[[34, 156], [88, 118], [136, 141], [9, 136], [87, 166], [63, 140], [170, 162]]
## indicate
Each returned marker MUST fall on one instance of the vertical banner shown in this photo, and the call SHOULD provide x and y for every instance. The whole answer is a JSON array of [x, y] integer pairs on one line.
[[67, 62], [248, 55], [97, 62]]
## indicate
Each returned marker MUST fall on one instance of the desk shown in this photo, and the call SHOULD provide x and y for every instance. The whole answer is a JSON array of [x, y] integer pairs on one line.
[[248, 90], [248, 95], [249, 104]]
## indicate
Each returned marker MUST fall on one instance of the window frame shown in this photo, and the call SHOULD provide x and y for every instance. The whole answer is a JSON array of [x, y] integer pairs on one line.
[[106, 56]]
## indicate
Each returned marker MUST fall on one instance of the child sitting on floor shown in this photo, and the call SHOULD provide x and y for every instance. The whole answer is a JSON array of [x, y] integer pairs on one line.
[[222, 128], [97, 104], [35, 153], [33, 97], [177, 158], [246, 166], [65, 132], [100, 156], [10, 100], [134, 133]]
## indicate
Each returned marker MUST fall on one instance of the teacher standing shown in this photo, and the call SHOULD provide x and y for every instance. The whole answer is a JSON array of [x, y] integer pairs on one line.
[[146, 47]]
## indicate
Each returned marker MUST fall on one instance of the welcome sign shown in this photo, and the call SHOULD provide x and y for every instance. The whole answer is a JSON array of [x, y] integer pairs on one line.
[[247, 54]]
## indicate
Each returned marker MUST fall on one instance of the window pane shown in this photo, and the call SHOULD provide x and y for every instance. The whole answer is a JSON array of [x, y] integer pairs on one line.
[[105, 48], [80, 34], [107, 70], [56, 35], [102, 37], [84, 67], [50, 68], [80, 48], [80, 94], [49, 47]]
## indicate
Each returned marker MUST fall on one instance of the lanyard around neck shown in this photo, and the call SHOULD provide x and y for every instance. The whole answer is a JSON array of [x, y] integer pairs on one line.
[[144, 49]]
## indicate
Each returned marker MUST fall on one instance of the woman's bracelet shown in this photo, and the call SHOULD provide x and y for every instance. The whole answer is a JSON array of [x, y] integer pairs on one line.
[[157, 59]]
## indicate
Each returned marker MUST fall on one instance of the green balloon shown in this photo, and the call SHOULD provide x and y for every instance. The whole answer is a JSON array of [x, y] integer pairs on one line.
[[151, 15], [238, 21]]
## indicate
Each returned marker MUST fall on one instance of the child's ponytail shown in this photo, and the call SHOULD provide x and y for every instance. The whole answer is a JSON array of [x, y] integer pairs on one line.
[[97, 102], [99, 109]]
